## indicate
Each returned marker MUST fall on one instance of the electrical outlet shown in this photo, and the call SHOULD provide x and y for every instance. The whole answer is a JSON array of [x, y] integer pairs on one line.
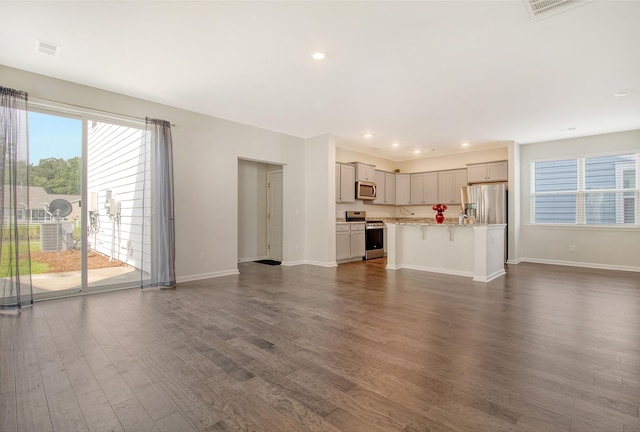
[[203, 256], [572, 248]]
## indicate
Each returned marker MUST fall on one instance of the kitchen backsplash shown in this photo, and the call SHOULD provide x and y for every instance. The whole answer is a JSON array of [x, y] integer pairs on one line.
[[381, 212]]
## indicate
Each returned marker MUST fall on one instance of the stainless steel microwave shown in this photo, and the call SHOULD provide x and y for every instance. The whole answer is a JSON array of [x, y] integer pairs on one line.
[[365, 190]]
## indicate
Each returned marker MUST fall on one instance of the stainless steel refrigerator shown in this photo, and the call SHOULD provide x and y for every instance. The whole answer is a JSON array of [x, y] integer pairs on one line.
[[485, 203]]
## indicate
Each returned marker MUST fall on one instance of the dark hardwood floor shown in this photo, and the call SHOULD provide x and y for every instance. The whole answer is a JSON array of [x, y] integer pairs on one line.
[[356, 348]]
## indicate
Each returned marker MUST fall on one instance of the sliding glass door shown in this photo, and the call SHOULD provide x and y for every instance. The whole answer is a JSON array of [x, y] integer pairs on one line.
[[84, 215]]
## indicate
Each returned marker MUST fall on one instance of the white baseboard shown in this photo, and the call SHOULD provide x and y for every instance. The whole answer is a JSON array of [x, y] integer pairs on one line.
[[321, 263], [309, 262], [515, 261], [435, 270], [348, 260], [490, 277], [201, 276], [581, 264], [292, 263]]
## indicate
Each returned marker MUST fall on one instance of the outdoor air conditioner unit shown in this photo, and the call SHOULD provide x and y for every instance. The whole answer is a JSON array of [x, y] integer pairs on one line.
[[56, 237]]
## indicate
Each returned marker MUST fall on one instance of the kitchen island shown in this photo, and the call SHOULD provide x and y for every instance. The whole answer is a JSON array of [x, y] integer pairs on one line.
[[475, 251]]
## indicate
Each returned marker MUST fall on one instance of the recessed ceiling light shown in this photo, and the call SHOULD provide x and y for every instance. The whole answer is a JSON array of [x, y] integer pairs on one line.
[[622, 93], [318, 55], [368, 135], [395, 145], [465, 144], [417, 151]]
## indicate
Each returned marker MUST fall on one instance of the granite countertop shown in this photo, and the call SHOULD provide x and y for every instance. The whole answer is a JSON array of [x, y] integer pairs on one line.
[[450, 221], [433, 222]]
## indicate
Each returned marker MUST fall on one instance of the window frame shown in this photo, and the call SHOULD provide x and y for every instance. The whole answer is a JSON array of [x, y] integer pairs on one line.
[[581, 192]]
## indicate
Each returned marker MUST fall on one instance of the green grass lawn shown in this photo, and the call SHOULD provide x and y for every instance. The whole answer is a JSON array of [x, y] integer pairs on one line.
[[36, 267]]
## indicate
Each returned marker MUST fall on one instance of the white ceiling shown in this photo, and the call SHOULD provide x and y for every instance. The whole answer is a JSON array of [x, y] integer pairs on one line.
[[423, 74]]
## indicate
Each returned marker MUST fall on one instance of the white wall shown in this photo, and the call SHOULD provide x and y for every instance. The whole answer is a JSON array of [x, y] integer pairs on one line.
[[373, 210], [454, 161], [320, 201], [206, 152], [616, 248], [514, 199], [346, 156]]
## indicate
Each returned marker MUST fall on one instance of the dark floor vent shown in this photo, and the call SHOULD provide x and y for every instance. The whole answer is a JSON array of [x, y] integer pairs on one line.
[[268, 262]]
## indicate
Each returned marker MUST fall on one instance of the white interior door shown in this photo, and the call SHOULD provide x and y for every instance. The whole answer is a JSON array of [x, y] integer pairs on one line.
[[274, 215]]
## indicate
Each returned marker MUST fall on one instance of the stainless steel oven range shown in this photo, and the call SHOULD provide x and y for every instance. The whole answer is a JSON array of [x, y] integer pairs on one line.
[[374, 234], [374, 240]]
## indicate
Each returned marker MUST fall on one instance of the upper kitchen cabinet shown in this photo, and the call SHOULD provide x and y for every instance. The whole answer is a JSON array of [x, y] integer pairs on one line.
[[365, 172], [345, 183], [488, 172], [390, 188], [424, 188], [449, 184], [403, 189], [385, 188]]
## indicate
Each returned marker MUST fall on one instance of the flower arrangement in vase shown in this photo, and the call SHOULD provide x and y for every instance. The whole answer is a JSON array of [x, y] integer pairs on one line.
[[439, 208]]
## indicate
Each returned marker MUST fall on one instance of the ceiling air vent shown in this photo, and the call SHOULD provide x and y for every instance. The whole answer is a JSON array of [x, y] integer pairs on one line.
[[539, 9], [47, 48]]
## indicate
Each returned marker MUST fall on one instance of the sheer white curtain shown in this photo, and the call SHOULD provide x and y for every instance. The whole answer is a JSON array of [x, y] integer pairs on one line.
[[15, 262], [158, 226]]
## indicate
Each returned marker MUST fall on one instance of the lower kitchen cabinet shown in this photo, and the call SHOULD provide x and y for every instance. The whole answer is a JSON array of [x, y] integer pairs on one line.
[[343, 242], [357, 240], [350, 241]]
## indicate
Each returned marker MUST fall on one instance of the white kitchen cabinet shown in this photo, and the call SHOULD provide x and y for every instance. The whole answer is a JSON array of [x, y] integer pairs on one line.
[[345, 183], [365, 172], [488, 172], [338, 182], [389, 188], [343, 241], [424, 188], [449, 184], [357, 240], [380, 180], [385, 188], [350, 241], [403, 189]]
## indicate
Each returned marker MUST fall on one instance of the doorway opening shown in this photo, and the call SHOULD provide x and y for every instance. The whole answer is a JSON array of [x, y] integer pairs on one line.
[[260, 211]]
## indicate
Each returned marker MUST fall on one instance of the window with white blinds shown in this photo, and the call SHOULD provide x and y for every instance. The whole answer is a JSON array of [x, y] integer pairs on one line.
[[599, 190]]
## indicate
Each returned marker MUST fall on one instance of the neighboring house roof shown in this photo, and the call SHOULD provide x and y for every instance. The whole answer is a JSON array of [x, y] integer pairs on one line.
[[39, 198]]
